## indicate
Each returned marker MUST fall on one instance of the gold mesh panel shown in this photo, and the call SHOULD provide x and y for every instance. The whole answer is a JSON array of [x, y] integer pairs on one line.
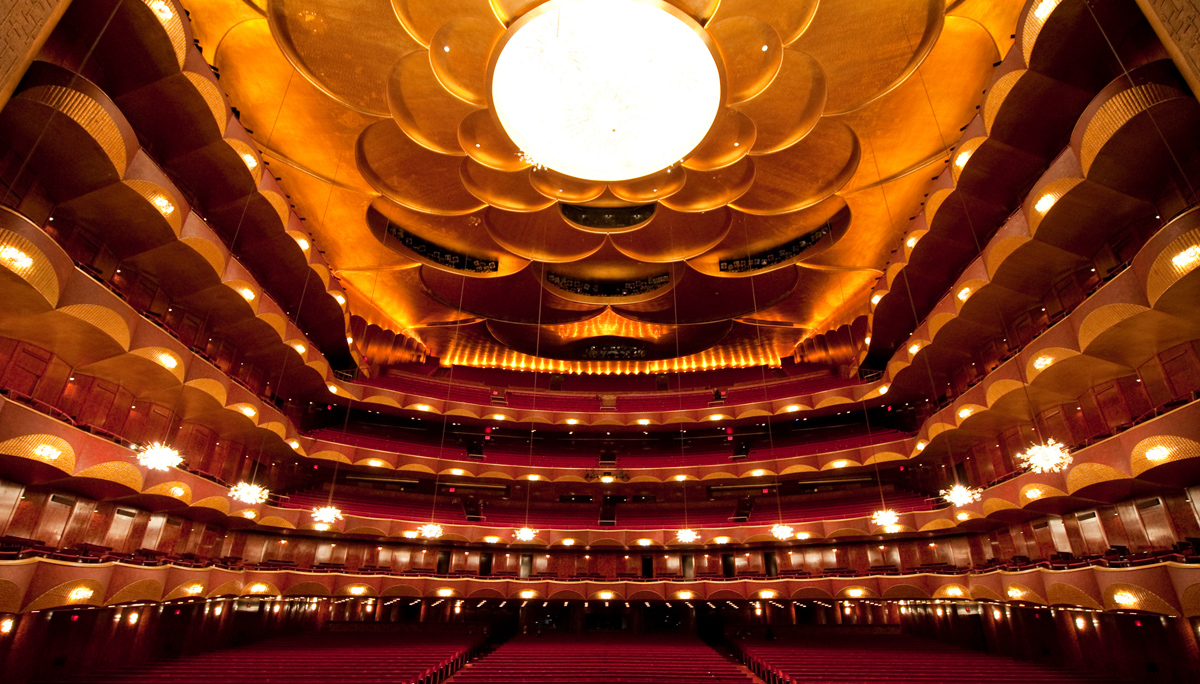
[[88, 113], [212, 97], [1087, 474], [996, 96], [1104, 318], [141, 590], [103, 318], [1166, 270], [48, 449], [1055, 189], [163, 357], [1115, 113], [28, 262], [1034, 25], [115, 471], [173, 26], [1159, 449], [1066, 594]]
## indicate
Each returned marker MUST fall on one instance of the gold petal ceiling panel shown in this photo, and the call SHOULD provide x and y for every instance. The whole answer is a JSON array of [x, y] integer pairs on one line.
[[423, 18], [565, 188], [462, 234], [459, 54], [345, 49], [790, 107], [675, 236], [651, 188], [790, 18], [749, 234], [480, 136], [843, 31], [509, 190], [752, 53], [803, 174], [542, 236], [731, 137], [705, 191], [426, 111], [409, 174]]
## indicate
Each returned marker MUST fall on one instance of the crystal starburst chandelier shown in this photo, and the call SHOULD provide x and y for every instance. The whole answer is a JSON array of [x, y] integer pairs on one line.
[[1050, 457], [327, 514], [686, 536], [248, 493], [961, 495], [159, 457], [430, 530], [525, 534], [885, 518], [781, 531]]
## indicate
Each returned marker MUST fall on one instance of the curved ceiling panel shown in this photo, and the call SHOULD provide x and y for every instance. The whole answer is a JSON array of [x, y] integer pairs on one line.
[[675, 236], [803, 174], [409, 174], [708, 190], [700, 298], [790, 107], [543, 235], [425, 110], [790, 18], [524, 300]]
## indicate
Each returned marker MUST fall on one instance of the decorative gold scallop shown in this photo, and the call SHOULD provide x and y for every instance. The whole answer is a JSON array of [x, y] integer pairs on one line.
[[411, 175], [459, 54], [368, 40], [675, 236], [752, 52], [542, 236], [803, 174], [731, 137], [789, 18], [705, 191], [508, 11], [844, 31], [790, 107], [509, 190], [423, 108], [422, 18], [650, 188], [565, 188], [481, 138]]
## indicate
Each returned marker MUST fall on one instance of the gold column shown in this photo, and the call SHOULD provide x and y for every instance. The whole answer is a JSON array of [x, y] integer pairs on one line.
[[1177, 23], [24, 27]]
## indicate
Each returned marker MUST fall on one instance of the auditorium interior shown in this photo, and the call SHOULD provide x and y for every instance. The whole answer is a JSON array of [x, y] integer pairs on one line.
[[734, 341]]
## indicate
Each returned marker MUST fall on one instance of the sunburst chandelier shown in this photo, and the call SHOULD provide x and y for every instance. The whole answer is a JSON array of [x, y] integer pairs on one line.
[[248, 493], [781, 531], [961, 495], [885, 518], [686, 536], [159, 457], [430, 530], [327, 514], [525, 534], [1051, 457]]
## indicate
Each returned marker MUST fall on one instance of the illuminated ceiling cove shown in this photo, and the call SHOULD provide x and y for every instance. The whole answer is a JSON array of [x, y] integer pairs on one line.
[[606, 185]]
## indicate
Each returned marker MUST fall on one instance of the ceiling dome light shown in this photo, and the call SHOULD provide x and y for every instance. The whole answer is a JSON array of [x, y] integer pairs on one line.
[[159, 457], [430, 530], [885, 518], [782, 532], [248, 493], [525, 534], [605, 90], [961, 495], [686, 536], [1050, 457], [327, 514], [1187, 257]]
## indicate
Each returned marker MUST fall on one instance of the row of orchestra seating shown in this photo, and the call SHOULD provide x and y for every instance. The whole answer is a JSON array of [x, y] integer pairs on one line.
[[603, 658], [895, 659], [315, 658]]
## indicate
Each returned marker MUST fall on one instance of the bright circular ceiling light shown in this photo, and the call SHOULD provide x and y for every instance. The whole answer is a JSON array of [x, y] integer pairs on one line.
[[606, 90]]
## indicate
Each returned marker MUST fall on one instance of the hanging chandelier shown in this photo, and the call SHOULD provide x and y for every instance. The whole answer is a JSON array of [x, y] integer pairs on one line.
[[159, 457], [961, 495], [782, 532], [430, 530], [886, 519], [525, 534], [327, 515], [1051, 457], [686, 536], [248, 493]]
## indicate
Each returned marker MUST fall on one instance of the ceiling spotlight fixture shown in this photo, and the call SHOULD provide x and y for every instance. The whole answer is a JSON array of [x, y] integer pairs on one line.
[[1014, 593], [884, 389], [964, 294], [680, 478], [781, 532], [885, 518], [300, 348], [757, 472], [445, 592], [876, 297], [374, 462], [163, 205], [911, 242], [1050, 457], [248, 493], [333, 389], [1044, 203], [294, 444], [528, 594], [159, 457], [965, 412], [686, 536], [430, 530], [572, 421], [914, 348], [456, 471], [1187, 257], [605, 595], [962, 158], [961, 495], [767, 594], [358, 590], [1042, 362], [855, 593], [80, 594], [525, 534], [327, 514], [1124, 598]]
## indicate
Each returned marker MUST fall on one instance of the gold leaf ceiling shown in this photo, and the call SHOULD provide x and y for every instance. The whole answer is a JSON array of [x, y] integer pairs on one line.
[[836, 116]]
